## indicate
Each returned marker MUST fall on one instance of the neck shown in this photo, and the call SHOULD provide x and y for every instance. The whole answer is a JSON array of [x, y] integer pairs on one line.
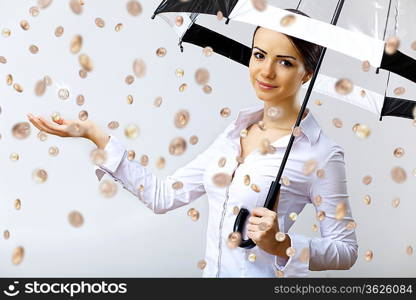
[[288, 116]]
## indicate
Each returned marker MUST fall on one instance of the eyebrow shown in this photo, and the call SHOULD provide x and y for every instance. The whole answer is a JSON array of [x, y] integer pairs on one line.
[[280, 56]]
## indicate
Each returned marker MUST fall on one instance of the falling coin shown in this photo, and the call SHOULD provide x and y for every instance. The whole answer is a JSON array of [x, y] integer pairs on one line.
[[193, 140], [296, 131], [409, 250], [247, 179], [6, 32], [395, 202], [285, 180], [75, 6], [14, 156], [83, 115], [144, 160], [243, 133], [399, 91], [130, 99], [221, 179], [201, 264], [181, 118], [134, 8], [207, 89], [18, 254], [259, 5], [207, 51], [255, 188], [398, 174], [221, 162], [287, 20], [40, 175], [131, 131], [179, 21], [361, 131], [17, 204], [34, 11], [343, 86], [236, 210], [157, 102], [368, 255], [183, 87], [317, 200], [3, 60], [234, 239], [9, 79], [337, 123], [290, 251], [42, 136], [309, 167], [99, 22], [177, 146], [314, 227], [139, 68], [40, 88], [33, 49], [351, 225], [367, 179], [220, 15], [76, 44], [118, 27], [131, 154], [21, 130], [6, 234], [161, 52], [293, 216], [320, 215], [202, 76], [108, 188], [53, 151], [280, 236], [80, 100], [63, 94], [24, 24], [366, 66], [75, 218], [59, 31], [177, 185], [367, 199], [85, 62], [98, 156], [18, 87], [392, 45], [320, 173], [252, 257]]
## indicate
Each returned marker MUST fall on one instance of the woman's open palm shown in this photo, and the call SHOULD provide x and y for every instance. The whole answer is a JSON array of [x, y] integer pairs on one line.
[[62, 127]]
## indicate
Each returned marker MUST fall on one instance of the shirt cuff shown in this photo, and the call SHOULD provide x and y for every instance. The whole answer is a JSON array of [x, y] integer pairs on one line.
[[298, 264], [115, 153]]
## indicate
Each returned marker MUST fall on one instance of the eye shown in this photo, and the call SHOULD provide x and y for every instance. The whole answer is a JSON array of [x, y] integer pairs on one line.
[[286, 63], [258, 55]]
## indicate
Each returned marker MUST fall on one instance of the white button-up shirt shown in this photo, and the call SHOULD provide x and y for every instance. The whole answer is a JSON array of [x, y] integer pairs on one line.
[[337, 247]]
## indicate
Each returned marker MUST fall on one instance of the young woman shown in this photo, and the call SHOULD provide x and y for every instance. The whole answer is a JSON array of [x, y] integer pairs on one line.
[[237, 170]]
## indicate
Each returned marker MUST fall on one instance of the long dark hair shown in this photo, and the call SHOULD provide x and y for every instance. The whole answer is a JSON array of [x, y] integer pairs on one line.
[[309, 51]]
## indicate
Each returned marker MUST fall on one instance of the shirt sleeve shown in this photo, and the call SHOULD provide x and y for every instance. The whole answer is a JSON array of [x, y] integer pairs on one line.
[[337, 248], [157, 194]]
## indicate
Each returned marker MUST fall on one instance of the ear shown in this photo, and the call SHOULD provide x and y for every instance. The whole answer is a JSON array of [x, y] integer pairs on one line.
[[307, 76]]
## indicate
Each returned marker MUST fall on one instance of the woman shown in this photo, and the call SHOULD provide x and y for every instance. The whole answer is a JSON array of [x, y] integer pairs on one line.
[[239, 166]]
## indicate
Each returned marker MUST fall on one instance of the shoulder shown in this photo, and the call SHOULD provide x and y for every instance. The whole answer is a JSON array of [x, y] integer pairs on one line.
[[327, 149]]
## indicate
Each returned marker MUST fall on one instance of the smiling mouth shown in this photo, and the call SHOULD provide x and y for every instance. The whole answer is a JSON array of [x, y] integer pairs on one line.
[[265, 86]]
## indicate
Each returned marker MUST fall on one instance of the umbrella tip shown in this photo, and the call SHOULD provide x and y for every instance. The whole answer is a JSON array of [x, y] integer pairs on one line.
[[153, 16], [227, 21]]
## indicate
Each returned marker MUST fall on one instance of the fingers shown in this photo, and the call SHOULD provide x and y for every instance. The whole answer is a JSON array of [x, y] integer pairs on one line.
[[50, 125], [39, 125], [262, 212]]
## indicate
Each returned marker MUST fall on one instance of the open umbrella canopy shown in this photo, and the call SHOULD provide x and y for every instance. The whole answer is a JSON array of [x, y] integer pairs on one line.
[[377, 33]]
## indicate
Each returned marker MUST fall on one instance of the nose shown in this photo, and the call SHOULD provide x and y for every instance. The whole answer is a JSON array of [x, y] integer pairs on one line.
[[268, 70]]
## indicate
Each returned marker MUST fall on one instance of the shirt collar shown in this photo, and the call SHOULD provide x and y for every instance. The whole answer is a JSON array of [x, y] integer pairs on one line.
[[247, 116]]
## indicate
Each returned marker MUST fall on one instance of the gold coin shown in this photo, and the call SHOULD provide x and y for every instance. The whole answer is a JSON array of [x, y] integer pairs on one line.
[[134, 8], [207, 89], [285, 180], [34, 11], [98, 156], [222, 162], [367, 179], [413, 45], [63, 94], [368, 255], [234, 240], [42, 136], [6, 234], [108, 188], [236, 210], [179, 21], [366, 66], [144, 160], [40, 88], [361, 131], [9, 79], [392, 45], [243, 133], [367, 199], [59, 31], [139, 68], [113, 125], [40, 175], [177, 146], [320, 215], [398, 152], [252, 257], [337, 122], [44, 3], [395, 202], [177, 185], [53, 151], [18, 87], [131, 131], [255, 188], [280, 236], [183, 87], [314, 227], [75, 6], [398, 174], [293, 216], [118, 27], [21, 130], [288, 20], [290, 251], [131, 154], [17, 204], [14, 156], [33, 49], [320, 173], [83, 115], [202, 76], [344, 86], [399, 91], [351, 225], [207, 51], [99, 22], [409, 250], [82, 73], [317, 200], [221, 179], [193, 140], [296, 131], [259, 5], [363, 93], [274, 112], [6, 32], [181, 118], [3, 60], [24, 24], [161, 52], [157, 102], [76, 44], [80, 100], [75, 218], [130, 99], [18, 254], [201, 264], [85, 62], [220, 15], [247, 179]]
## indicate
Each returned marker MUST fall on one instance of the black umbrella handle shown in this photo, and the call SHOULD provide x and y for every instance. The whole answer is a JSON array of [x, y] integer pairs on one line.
[[244, 213]]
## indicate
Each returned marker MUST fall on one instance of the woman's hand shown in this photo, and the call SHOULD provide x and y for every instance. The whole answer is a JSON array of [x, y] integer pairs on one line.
[[262, 228], [71, 128]]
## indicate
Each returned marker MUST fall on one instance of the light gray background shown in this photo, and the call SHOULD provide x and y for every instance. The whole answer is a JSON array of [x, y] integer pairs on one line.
[[120, 236]]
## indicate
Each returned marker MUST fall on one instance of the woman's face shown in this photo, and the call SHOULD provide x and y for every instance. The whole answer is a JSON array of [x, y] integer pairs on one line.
[[276, 68]]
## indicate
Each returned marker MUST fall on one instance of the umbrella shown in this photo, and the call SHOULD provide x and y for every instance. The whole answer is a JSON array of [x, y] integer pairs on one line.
[[357, 37]]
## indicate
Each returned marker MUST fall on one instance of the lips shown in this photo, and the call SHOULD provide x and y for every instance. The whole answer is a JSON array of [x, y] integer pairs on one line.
[[265, 85]]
